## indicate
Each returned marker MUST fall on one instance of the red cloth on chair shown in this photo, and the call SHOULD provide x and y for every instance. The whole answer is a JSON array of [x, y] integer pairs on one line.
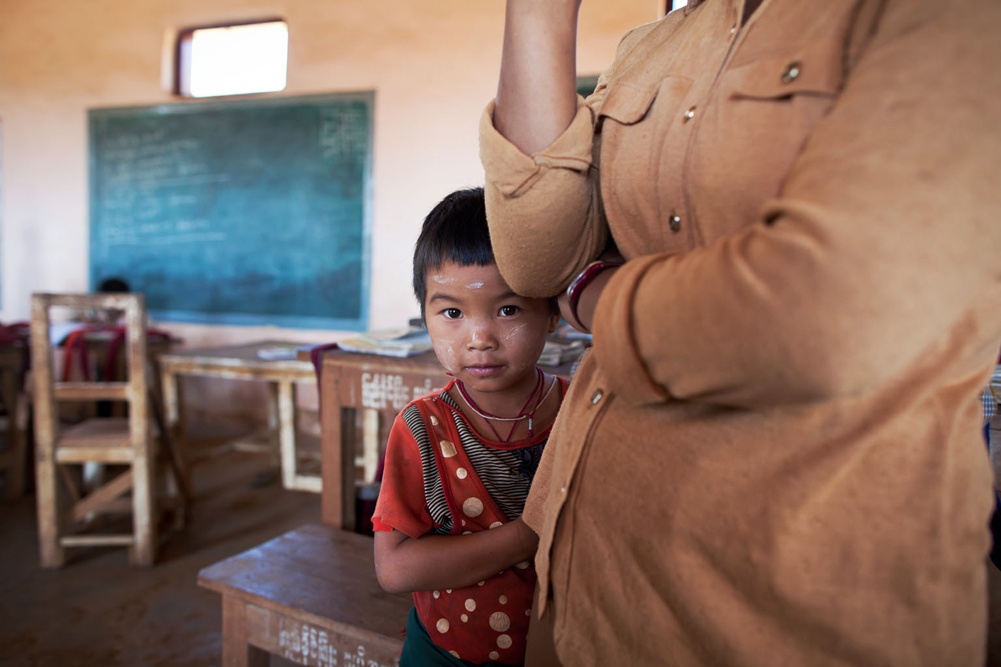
[[76, 347]]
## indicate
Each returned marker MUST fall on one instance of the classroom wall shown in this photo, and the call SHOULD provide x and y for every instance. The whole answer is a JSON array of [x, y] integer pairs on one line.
[[433, 65]]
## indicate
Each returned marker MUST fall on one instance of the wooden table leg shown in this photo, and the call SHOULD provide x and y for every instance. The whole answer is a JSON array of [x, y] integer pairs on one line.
[[286, 433], [165, 405], [236, 649], [338, 456], [15, 452], [371, 423], [172, 413], [274, 421], [288, 424]]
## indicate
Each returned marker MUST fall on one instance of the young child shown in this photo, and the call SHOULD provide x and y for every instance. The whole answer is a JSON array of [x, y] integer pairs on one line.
[[460, 461]]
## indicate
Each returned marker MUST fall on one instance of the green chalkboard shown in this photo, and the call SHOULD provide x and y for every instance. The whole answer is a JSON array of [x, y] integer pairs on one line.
[[245, 212], [586, 84]]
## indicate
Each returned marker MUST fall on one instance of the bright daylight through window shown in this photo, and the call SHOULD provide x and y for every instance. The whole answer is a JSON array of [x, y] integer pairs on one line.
[[232, 60]]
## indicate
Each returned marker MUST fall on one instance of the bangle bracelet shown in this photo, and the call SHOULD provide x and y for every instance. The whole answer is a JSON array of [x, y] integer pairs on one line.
[[582, 280]]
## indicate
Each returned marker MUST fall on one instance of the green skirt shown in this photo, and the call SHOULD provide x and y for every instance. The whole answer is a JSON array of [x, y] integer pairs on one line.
[[420, 651]]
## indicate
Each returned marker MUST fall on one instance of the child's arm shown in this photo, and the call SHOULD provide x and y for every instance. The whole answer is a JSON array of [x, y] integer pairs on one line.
[[405, 565]]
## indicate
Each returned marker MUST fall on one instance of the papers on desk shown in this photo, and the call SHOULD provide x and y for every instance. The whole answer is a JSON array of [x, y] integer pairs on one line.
[[401, 342], [410, 341], [279, 352], [566, 332]]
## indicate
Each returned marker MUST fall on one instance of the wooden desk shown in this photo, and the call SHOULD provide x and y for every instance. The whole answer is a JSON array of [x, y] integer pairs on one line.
[[310, 596], [242, 362], [13, 457], [382, 386]]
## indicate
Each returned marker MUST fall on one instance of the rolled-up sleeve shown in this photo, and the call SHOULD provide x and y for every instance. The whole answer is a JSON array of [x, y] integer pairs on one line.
[[536, 202], [544, 210], [878, 253]]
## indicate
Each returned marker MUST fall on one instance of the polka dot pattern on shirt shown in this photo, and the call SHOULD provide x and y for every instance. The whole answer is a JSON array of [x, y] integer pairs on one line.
[[472, 507]]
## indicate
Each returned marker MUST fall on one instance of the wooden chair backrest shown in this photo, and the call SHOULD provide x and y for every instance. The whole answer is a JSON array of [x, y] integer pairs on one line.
[[49, 390]]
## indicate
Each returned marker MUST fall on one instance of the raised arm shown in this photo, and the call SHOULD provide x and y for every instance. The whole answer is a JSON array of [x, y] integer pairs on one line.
[[537, 91], [405, 565], [536, 147]]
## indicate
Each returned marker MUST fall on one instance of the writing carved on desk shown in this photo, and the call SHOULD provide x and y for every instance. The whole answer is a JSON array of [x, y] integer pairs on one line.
[[306, 644], [380, 391]]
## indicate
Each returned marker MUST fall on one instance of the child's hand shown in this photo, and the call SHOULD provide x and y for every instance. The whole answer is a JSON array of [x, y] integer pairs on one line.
[[527, 538]]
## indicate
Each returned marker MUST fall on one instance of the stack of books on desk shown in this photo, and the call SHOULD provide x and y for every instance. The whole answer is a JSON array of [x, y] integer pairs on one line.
[[280, 352], [557, 352], [402, 342], [414, 340]]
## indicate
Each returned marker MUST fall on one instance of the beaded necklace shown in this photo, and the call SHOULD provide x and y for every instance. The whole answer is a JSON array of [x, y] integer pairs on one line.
[[537, 390]]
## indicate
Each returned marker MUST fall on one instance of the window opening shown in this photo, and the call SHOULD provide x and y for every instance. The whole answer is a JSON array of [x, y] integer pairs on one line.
[[235, 59]]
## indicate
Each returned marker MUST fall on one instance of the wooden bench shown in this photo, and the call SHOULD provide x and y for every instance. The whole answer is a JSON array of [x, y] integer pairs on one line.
[[310, 596]]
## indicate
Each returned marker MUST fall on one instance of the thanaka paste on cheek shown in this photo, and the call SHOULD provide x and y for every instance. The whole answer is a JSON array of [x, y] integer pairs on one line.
[[446, 355], [514, 332]]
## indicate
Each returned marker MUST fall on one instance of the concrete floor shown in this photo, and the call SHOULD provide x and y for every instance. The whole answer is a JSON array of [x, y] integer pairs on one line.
[[98, 610]]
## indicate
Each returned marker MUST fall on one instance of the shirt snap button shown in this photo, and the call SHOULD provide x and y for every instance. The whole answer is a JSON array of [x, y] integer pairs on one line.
[[596, 396], [675, 223], [791, 72], [690, 114]]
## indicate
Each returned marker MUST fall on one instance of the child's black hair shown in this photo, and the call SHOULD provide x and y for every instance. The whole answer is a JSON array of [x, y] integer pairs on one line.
[[454, 231], [113, 286]]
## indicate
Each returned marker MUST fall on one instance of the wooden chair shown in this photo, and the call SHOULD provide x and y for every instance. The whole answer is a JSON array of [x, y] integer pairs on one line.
[[149, 477]]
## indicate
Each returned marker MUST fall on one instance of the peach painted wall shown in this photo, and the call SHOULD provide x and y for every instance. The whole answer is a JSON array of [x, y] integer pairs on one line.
[[432, 63]]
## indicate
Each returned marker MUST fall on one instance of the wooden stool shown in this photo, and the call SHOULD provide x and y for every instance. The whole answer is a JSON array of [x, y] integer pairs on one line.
[[310, 596]]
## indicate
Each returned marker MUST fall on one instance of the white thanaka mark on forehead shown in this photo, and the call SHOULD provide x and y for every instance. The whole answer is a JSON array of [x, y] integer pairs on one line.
[[442, 280], [474, 285]]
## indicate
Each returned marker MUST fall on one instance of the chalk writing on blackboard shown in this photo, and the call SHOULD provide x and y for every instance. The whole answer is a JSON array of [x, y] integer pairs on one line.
[[237, 212]]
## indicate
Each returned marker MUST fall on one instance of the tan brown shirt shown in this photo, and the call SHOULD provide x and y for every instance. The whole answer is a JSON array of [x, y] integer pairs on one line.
[[772, 454]]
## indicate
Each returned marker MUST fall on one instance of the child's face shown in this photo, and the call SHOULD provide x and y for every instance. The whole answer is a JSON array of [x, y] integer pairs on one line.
[[483, 333]]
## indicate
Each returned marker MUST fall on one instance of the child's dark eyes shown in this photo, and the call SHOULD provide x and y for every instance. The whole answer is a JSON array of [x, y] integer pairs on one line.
[[509, 311], [504, 311]]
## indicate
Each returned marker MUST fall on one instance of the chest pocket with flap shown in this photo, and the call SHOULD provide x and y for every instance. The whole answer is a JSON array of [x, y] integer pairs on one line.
[[635, 127]]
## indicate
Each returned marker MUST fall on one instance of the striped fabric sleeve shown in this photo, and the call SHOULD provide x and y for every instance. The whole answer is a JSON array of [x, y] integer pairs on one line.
[[401, 503], [989, 404], [411, 498]]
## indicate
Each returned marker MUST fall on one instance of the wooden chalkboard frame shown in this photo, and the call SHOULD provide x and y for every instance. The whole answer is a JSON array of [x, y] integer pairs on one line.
[[359, 255]]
